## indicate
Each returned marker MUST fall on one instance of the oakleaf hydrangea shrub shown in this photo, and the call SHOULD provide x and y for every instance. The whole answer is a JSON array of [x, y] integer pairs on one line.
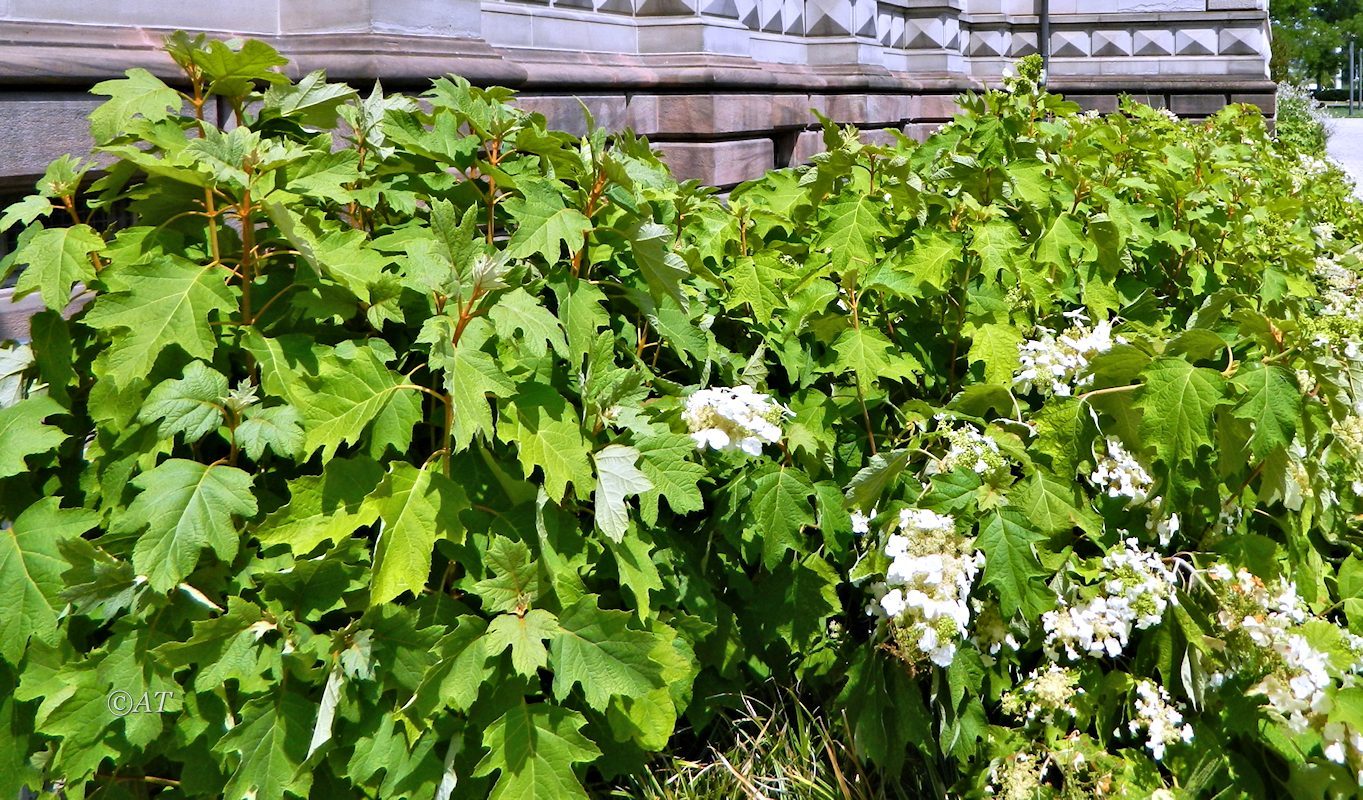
[[407, 448], [1302, 121]]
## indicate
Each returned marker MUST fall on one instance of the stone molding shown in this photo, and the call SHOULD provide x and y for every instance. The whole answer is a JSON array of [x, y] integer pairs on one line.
[[725, 87]]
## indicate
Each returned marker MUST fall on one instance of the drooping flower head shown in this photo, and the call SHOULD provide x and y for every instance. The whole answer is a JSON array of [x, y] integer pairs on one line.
[[1120, 475], [1159, 718], [927, 585]]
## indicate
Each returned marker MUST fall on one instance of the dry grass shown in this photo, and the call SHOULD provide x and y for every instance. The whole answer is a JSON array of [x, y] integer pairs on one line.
[[778, 750]]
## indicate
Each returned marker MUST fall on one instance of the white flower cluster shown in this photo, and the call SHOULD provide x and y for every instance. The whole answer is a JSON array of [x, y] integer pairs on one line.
[[1055, 363], [1349, 432], [737, 418], [969, 449], [1045, 695], [1135, 590], [1339, 288], [1016, 777], [1156, 714], [1313, 166], [1343, 746], [927, 585], [1248, 602], [1164, 527], [1300, 687], [1120, 475], [1299, 680], [861, 521], [1297, 686]]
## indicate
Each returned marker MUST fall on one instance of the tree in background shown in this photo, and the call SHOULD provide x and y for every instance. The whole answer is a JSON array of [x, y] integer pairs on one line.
[[1311, 38]]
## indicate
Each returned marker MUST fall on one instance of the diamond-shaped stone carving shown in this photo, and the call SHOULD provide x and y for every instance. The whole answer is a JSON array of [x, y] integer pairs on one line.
[[614, 6], [864, 18], [1195, 42], [665, 8], [890, 27], [988, 44], [1112, 43], [1069, 44], [747, 13], [1241, 42], [1153, 43], [951, 27], [719, 8], [1022, 44], [829, 17], [794, 17], [925, 33], [769, 16]]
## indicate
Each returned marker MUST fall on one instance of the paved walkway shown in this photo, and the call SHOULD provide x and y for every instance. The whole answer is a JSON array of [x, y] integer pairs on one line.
[[1346, 147]]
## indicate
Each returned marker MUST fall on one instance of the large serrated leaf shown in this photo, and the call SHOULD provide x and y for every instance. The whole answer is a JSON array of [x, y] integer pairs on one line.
[[617, 477], [170, 302], [596, 648], [534, 746], [184, 506], [30, 573]]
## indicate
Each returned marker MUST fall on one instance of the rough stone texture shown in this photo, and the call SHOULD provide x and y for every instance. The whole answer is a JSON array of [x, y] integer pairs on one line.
[[1268, 103], [567, 113], [37, 127], [14, 315], [807, 145], [1102, 103], [720, 163], [1196, 105], [707, 114], [883, 136]]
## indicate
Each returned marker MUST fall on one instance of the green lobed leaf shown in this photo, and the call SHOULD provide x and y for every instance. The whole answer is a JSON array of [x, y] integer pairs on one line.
[[270, 743], [870, 357], [140, 94], [596, 648], [534, 747], [169, 302], [663, 269], [525, 633], [191, 406], [1272, 403], [23, 432], [666, 462], [545, 225], [279, 428], [780, 510], [545, 428], [183, 507], [324, 508], [414, 508], [1010, 563], [617, 477], [1177, 404], [31, 569], [57, 259]]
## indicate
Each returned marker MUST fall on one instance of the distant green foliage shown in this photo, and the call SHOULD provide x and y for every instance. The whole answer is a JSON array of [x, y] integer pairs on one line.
[[410, 449]]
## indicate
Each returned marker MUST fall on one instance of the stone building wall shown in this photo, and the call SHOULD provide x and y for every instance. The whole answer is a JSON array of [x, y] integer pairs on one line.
[[725, 87]]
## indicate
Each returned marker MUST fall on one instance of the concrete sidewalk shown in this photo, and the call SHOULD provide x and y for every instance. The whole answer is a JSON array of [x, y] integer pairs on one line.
[[1346, 147]]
